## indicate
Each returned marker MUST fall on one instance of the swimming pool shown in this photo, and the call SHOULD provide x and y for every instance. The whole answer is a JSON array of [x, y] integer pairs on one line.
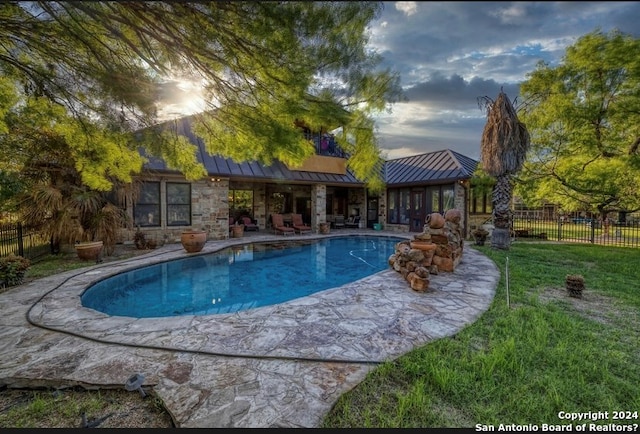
[[240, 277]]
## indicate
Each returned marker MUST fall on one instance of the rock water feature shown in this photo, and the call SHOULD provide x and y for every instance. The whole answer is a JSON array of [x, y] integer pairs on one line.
[[438, 248]]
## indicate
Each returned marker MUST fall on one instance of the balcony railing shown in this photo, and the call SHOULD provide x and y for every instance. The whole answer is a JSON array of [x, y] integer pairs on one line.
[[325, 144]]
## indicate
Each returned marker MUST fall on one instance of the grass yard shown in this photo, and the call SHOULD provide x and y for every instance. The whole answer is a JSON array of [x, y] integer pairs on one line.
[[524, 362]]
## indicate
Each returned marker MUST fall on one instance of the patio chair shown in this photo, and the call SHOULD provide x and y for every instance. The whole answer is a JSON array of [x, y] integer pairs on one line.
[[353, 222], [277, 222], [249, 225], [338, 221], [298, 225]]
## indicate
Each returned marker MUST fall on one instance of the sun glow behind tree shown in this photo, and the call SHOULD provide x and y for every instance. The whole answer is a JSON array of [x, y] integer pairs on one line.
[[124, 66]]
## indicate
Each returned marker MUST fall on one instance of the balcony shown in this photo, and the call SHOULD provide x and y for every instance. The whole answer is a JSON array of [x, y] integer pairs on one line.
[[329, 158]]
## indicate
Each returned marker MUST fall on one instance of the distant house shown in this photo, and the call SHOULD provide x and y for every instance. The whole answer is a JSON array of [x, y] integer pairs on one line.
[[320, 189]]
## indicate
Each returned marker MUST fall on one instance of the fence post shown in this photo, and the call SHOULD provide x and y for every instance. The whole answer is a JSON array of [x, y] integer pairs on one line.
[[593, 231], [559, 229], [20, 242]]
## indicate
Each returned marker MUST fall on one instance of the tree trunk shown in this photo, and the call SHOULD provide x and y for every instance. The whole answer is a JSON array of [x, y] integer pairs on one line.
[[502, 191]]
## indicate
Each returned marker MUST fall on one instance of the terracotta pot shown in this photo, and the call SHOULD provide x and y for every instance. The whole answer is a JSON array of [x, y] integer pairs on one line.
[[435, 220], [237, 231], [193, 241], [453, 215], [89, 251], [423, 245], [324, 228]]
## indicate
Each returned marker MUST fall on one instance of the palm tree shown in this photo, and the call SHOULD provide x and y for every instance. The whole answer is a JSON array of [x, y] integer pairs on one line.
[[71, 213], [503, 149], [57, 202]]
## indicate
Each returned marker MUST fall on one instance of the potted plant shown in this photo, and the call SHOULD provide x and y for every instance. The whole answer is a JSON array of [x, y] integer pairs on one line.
[[237, 230], [140, 239], [480, 235], [141, 242]]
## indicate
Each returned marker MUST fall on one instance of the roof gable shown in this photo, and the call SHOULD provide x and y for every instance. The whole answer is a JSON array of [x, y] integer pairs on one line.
[[429, 168]]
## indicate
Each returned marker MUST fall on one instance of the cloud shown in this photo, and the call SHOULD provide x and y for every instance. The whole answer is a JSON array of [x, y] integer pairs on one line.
[[409, 8], [450, 53]]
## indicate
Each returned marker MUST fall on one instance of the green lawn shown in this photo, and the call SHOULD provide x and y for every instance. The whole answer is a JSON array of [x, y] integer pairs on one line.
[[526, 361]]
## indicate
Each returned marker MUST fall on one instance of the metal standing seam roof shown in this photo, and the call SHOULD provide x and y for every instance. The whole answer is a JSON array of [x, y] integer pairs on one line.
[[430, 168], [433, 167]]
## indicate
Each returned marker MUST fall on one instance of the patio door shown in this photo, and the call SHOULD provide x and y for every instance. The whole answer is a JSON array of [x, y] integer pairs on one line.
[[417, 215], [303, 206], [372, 211]]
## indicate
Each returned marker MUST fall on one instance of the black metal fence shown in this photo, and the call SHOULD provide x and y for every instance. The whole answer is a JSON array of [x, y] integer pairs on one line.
[[22, 241], [578, 231]]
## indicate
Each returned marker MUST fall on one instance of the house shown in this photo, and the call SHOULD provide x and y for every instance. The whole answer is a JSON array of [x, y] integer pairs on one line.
[[419, 185], [319, 189]]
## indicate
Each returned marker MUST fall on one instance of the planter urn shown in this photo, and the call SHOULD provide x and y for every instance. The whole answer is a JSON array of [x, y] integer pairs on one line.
[[480, 236], [324, 228], [89, 251], [237, 231], [193, 241], [435, 220]]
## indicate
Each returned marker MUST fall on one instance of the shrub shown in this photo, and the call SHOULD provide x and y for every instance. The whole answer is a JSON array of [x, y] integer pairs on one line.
[[140, 240], [12, 269]]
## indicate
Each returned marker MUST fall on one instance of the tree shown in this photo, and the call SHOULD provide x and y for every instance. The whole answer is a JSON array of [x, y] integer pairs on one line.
[[46, 162], [43, 173], [584, 118], [503, 149], [263, 66]]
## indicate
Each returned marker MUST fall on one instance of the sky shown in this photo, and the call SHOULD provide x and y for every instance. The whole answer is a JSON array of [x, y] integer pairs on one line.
[[449, 54]]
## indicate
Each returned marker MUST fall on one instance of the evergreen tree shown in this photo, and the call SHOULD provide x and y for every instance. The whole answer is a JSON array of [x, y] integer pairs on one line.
[[263, 66]]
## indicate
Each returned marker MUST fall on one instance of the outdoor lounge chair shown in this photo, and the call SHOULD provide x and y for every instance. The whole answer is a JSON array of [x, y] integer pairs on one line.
[[338, 222], [298, 225], [249, 225], [277, 222], [353, 222]]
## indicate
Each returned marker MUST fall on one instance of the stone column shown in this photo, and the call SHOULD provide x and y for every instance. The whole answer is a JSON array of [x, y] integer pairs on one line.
[[318, 205]]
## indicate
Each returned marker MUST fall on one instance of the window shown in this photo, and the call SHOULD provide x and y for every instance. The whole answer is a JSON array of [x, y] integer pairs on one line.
[[147, 206], [434, 192], [392, 207], [399, 206], [405, 206], [178, 204], [439, 198], [448, 198], [240, 203], [480, 203]]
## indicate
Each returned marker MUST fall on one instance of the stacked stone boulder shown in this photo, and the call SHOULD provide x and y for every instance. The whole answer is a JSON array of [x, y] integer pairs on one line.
[[438, 248]]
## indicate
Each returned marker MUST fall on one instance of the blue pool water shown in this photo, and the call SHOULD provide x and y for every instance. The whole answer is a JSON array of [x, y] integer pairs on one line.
[[240, 278]]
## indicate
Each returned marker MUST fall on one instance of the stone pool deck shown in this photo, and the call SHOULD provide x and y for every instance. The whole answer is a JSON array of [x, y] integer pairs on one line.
[[276, 366]]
